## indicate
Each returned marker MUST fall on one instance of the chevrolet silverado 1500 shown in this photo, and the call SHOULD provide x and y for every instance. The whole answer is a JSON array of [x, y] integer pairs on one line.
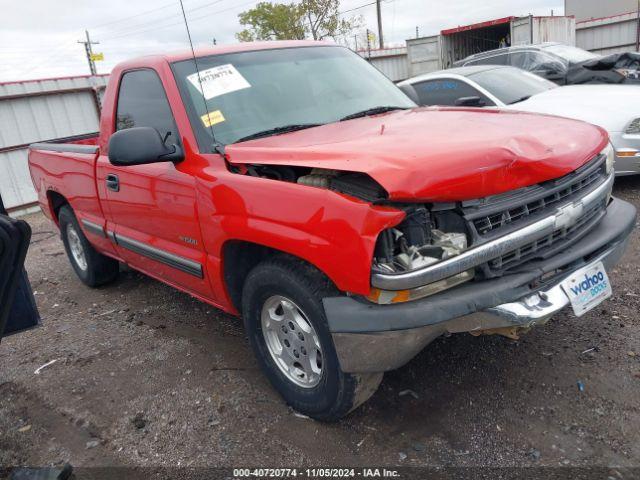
[[291, 183]]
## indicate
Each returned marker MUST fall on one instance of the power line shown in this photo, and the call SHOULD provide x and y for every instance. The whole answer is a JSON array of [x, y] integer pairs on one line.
[[146, 22], [342, 12], [137, 32], [124, 19]]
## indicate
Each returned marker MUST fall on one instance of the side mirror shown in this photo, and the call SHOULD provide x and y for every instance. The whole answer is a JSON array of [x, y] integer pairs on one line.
[[140, 146], [470, 102], [410, 92]]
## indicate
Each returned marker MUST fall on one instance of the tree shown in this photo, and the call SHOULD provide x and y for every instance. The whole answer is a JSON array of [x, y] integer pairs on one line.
[[322, 19], [272, 21], [317, 19]]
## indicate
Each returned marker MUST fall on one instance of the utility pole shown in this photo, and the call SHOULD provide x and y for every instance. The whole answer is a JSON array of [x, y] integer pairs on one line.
[[638, 29], [380, 40], [368, 44], [87, 46], [417, 32]]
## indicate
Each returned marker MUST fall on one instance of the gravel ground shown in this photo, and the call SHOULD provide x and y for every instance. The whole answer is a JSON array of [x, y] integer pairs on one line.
[[144, 375]]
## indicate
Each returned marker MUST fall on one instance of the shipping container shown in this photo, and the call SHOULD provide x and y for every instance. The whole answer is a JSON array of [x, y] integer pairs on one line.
[[41, 110], [423, 55], [437, 52], [458, 43]]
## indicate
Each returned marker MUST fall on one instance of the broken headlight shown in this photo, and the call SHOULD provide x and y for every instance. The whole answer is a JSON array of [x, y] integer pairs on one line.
[[611, 157], [424, 238]]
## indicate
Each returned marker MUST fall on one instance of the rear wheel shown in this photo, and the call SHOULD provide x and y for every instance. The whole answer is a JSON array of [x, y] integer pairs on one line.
[[92, 268], [288, 331]]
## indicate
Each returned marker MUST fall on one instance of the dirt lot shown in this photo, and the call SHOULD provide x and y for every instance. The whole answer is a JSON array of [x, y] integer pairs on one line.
[[144, 375]]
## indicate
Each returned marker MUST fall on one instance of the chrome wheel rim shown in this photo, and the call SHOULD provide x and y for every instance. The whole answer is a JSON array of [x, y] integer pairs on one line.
[[292, 341], [75, 245]]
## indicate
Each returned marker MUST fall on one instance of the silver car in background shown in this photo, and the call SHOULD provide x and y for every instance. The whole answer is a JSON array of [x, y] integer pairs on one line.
[[616, 108]]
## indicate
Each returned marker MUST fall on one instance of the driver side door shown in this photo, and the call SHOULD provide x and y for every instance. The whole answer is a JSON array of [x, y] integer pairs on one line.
[[151, 209]]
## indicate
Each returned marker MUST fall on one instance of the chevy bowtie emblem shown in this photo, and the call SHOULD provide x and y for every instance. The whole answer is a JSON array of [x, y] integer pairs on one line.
[[568, 215]]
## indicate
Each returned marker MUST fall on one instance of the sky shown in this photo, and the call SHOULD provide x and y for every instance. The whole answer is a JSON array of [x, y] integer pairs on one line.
[[38, 38]]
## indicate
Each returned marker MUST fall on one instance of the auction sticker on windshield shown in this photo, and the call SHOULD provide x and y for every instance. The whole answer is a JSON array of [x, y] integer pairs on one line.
[[587, 288], [219, 80]]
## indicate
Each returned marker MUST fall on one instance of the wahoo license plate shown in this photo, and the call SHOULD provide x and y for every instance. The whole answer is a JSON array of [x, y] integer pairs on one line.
[[587, 288]]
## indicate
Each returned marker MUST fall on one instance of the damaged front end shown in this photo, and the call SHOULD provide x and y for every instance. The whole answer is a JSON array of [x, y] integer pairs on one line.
[[428, 235]]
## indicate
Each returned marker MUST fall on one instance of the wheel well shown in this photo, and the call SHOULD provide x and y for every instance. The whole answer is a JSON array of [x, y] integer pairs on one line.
[[56, 202], [239, 258]]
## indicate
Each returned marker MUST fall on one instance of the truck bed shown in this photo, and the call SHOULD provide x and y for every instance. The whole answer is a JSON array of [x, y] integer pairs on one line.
[[66, 167]]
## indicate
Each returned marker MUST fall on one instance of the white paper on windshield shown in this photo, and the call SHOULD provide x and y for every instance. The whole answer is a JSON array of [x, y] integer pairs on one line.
[[219, 80]]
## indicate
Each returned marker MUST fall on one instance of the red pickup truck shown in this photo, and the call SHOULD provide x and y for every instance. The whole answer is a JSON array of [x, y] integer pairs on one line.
[[291, 183]]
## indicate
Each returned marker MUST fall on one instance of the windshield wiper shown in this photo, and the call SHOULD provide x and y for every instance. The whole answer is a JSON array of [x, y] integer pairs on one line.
[[278, 131], [521, 99], [372, 111]]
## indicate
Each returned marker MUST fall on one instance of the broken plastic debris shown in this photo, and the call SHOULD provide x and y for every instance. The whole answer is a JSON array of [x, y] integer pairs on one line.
[[580, 386], [39, 369], [408, 392]]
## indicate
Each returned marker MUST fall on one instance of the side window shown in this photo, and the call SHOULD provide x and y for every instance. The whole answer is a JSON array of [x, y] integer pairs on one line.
[[445, 92], [142, 102], [535, 61], [500, 59]]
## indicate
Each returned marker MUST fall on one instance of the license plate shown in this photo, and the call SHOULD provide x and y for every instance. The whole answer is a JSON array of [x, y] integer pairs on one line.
[[587, 288]]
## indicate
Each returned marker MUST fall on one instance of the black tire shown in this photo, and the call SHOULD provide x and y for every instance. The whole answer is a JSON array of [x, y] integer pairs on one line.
[[100, 269], [337, 392]]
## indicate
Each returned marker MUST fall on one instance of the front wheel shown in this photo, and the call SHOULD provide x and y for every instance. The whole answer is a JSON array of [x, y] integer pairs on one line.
[[288, 331]]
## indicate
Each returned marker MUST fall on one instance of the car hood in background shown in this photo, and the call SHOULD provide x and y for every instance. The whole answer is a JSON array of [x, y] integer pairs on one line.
[[436, 154], [611, 107]]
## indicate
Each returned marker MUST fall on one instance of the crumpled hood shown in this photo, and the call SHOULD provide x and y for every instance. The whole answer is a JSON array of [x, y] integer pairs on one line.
[[436, 154], [611, 107]]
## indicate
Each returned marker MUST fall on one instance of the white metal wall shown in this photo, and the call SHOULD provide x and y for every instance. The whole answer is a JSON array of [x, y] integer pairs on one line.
[[424, 55], [390, 61], [40, 110], [608, 35], [554, 29], [589, 9]]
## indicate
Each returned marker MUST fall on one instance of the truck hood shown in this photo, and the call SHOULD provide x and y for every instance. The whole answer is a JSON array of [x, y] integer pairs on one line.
[[436, 154], [611, 107]]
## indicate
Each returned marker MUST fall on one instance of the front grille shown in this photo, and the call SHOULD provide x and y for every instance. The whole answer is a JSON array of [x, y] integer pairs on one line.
[[493, 217], [488, 223], [558, 240]]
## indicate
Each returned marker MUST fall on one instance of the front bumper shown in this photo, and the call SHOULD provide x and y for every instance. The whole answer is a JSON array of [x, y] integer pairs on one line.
[[377, 338]]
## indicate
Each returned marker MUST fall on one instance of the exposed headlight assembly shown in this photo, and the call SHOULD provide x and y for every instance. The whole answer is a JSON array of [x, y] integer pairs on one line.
[[633, 128], [424, 238]]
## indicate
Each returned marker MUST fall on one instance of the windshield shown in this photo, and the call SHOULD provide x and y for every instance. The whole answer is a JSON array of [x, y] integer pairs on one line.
[[571, 54], [511, 85], [251, 92]]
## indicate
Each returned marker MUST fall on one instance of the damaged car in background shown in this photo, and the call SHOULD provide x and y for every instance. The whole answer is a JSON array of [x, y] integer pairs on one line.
[[294, 185]]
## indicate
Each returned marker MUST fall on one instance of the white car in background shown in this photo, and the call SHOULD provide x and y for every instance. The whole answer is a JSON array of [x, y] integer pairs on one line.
[[616, 108]]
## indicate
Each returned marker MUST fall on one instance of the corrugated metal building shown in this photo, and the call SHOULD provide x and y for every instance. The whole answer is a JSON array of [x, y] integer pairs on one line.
[[41, 110], [392, 62], [614, 34], [590, 9]]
